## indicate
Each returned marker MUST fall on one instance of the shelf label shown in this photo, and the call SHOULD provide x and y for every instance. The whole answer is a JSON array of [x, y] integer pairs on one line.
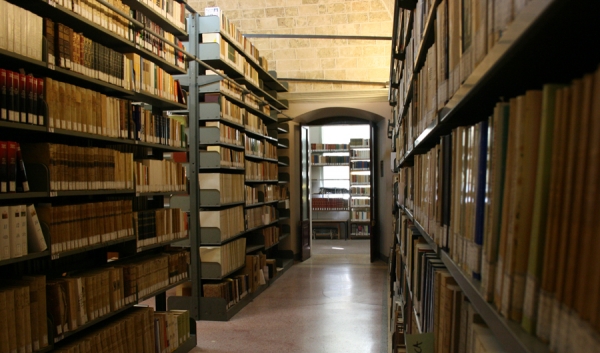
[[420, 343], [53, 193], [55, 256]]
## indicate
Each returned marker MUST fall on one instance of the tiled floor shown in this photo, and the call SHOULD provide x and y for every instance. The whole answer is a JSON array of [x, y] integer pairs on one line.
[[334, 302]]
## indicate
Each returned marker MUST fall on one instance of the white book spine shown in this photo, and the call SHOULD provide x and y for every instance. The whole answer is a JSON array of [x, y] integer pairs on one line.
[[23, 227], [4, 233]]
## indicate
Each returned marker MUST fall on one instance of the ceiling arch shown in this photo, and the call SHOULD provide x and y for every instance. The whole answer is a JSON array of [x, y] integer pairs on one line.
[[337, 115]]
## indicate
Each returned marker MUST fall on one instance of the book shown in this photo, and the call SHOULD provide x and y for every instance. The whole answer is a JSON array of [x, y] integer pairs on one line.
[[5, 236], [22, 184], [36, 239], [3, 166], [539, 220], [524, 192], [11, 158]]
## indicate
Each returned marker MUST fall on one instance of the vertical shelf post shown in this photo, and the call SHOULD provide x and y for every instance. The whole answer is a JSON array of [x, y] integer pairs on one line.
[[194, 159]]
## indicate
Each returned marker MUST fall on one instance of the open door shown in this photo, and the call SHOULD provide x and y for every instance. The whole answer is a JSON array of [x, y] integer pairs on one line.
[[305, 220], [375, 173]]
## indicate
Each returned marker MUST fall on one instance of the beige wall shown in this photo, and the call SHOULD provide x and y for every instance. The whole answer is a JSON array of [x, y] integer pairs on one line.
[[331, 59]]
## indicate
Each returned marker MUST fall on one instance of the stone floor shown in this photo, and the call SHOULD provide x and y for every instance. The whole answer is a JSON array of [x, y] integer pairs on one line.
[[333, 302]]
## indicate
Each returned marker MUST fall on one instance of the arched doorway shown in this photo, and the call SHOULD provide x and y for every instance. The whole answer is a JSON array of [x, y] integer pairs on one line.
[[329, 116]]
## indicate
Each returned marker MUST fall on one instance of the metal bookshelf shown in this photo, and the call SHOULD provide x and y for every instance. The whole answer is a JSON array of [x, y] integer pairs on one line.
[[200, 160]]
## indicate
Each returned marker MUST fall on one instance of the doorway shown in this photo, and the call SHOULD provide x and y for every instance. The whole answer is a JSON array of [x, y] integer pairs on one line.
[[341, 185]]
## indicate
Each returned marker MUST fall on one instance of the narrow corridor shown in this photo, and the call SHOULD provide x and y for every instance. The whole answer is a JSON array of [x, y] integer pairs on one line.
[[334, 302]]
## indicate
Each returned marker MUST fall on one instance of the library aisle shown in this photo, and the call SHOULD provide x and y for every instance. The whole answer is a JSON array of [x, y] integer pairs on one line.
[[329, 303]]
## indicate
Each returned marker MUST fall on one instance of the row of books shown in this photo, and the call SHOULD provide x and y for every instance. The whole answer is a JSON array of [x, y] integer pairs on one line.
[[77, 226], [504, 220], [329, 204], [171, 330], [23, 324], [257, 171], [75, 300], [360, 229], [361, 190], [18, 24], [82, 168], [229, 110], [229, 186], [159, 226], [231, 29], [21, 98], [257, 103], [270, 236], [152, 43], [111, 20], [20, 232], [360, 179], [68, 108], [172, 10], [443, 309], [227, 134], [71, 50], [356, 142], [147, 77], [226, 88], [232, 289], [153, 175], [360, 154], [229, 256], [451, 59], [360, 165], [254, 269], [255, 124], [360, 215], [140, 330], [265, 193], [328, 146], [230, 222], [165, 130], [361, 202], [229, 53], [329, 160], [259, 148], [228, 158], [258, 216], [255, 147], [13, 177]]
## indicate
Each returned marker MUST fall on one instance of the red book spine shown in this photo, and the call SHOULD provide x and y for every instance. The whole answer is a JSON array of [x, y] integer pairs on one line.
[[30, 93], [3, 167], [41, 102], [22, 98], [10, 95], [11, 158]]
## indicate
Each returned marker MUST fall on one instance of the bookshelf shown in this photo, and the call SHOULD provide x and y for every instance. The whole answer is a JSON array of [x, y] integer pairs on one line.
[[84, 217], [473, 97], [360, 176], [232, 109]]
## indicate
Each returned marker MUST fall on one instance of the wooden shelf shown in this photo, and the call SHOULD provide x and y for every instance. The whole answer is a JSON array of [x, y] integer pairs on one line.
[[63, 254], [157, 18], [510, 334], [27, 257], [93, 31], [159, 245]]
